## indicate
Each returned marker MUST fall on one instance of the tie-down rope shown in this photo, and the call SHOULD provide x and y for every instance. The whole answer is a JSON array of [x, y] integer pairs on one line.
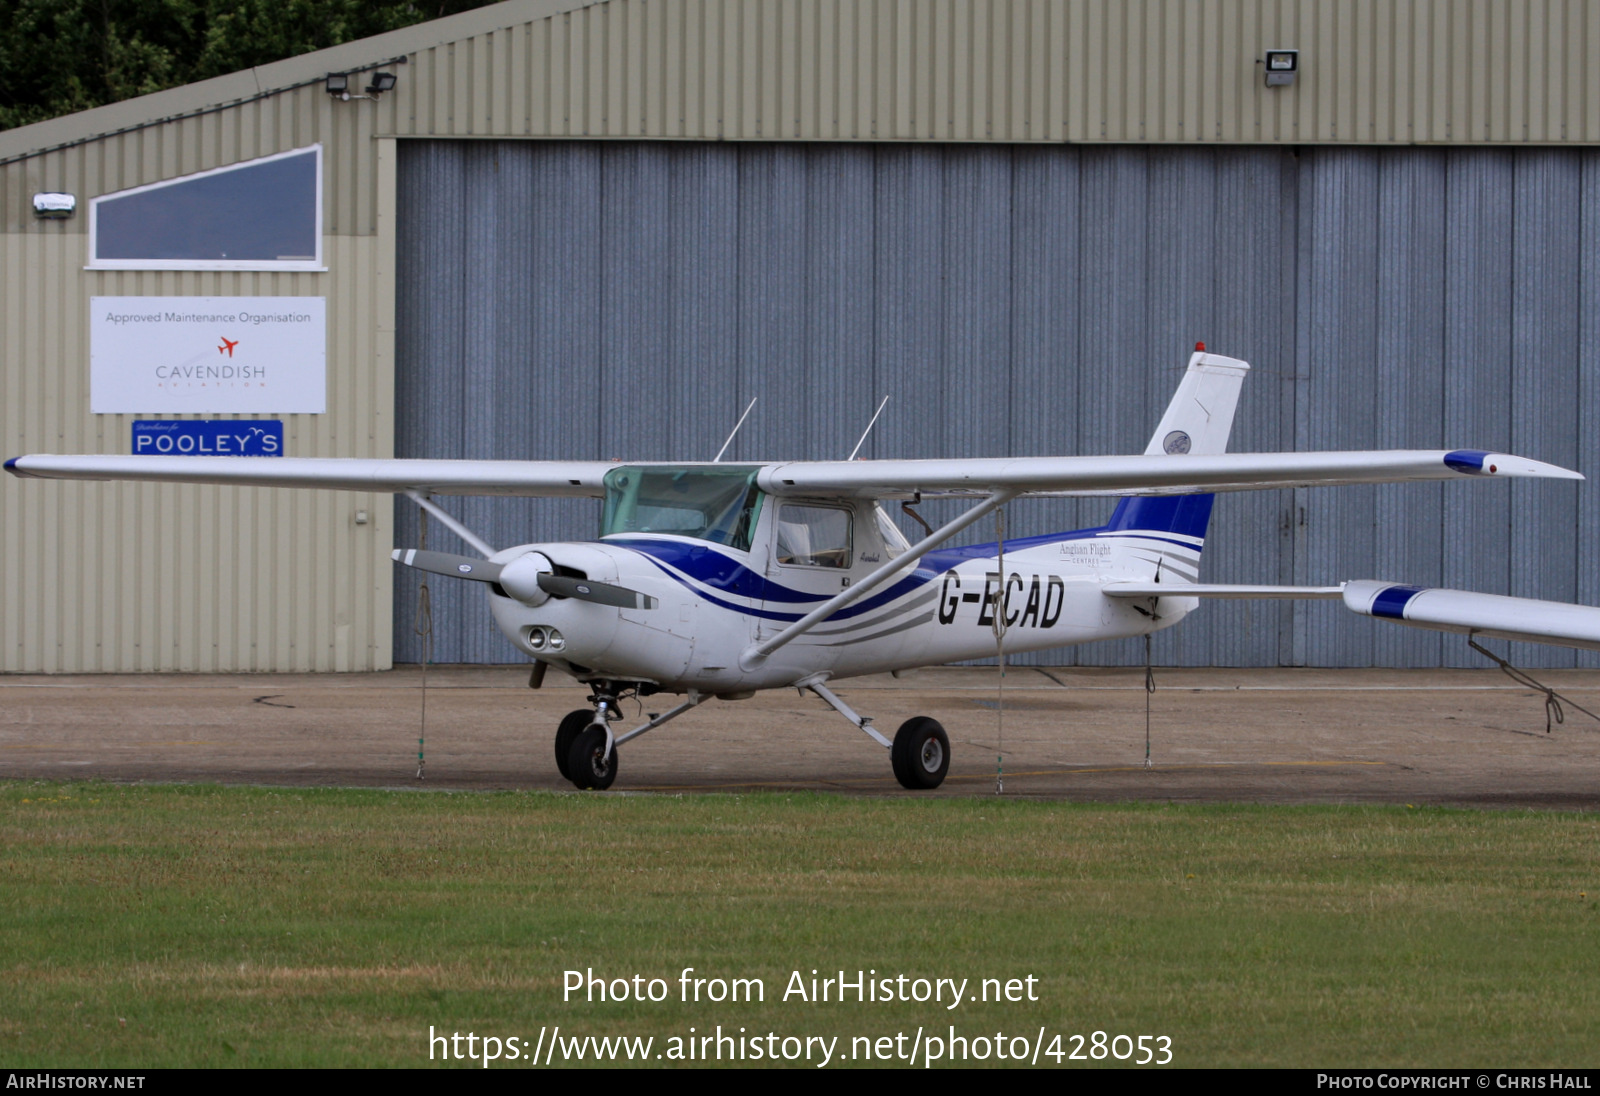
[[424, 628], [1552, 699], [999, 626]]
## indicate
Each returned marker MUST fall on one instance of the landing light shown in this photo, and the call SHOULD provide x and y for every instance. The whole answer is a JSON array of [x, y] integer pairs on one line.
[[558, 641], [536, 638]]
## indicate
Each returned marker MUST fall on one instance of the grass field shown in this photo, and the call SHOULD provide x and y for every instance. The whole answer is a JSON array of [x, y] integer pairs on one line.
[[162, 926]]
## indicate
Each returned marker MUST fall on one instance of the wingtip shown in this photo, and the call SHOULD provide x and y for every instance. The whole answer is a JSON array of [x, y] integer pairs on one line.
[[11, 466], [1482, 462]]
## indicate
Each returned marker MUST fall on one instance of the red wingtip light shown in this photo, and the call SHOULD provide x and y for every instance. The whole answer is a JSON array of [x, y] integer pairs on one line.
[[1199, 348]]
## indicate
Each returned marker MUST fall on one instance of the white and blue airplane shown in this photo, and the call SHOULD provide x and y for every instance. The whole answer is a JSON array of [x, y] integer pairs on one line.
[[718, 580]]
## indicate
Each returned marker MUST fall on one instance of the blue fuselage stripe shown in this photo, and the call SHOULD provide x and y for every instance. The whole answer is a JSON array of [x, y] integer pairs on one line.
[[707, 567]]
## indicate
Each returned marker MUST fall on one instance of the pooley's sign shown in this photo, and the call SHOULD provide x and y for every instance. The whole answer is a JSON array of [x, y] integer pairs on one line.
[[208, 437]]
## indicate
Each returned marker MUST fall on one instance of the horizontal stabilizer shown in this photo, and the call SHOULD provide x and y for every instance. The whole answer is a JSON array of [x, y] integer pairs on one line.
[[1181, 589], [1468, 613]]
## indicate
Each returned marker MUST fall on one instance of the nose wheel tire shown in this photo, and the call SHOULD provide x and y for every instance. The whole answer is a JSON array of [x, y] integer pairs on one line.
[[587, 763], [920, 754], [572, 725]]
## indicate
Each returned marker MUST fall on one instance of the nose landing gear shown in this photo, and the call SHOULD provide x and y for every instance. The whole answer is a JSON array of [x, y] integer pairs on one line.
[[586, 752], [592, 759]]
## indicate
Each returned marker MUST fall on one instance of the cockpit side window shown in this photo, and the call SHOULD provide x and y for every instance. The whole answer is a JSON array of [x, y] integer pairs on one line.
[[813, 536], [894, 541], [719, 505]]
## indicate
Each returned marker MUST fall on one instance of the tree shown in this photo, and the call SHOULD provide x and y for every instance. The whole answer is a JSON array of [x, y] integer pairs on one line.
[[61, 56]]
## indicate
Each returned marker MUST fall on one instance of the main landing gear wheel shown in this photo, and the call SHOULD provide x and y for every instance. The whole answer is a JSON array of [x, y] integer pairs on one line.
[[920, 754], [587, 763], [572, 725]]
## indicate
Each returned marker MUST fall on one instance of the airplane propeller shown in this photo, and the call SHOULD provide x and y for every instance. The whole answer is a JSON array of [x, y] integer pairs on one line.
[[513, 577]]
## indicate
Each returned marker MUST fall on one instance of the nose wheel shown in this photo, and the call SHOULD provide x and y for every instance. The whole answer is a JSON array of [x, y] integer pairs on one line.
[[920, 754], [586, 751], [591, 760]]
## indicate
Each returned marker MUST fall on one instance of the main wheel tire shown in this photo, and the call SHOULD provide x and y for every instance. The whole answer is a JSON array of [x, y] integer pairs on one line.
[[587, 764], [572, 725], [921, 754]]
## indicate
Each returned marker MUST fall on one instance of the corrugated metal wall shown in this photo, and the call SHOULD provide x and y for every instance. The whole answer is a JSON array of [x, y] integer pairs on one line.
[[1151, 71], [606, 300], [1020, 70], [117, 578]]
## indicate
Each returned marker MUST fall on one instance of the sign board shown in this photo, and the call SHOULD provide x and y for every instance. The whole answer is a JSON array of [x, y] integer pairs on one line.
[[208, 355], [208, 438]]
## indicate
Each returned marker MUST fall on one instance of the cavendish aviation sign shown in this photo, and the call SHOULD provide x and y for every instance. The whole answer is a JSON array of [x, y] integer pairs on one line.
[[208, 355]]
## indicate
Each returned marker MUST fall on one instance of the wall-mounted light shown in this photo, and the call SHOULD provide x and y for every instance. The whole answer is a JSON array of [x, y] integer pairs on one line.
[[1281, 65], [54, 206], [338, 85]]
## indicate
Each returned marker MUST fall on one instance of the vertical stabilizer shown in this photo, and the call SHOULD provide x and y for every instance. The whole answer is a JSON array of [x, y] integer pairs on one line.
[[1198, 422], [1200, 416]]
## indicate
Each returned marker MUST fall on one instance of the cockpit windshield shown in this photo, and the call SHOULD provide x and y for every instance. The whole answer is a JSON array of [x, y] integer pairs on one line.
[[718, 504]]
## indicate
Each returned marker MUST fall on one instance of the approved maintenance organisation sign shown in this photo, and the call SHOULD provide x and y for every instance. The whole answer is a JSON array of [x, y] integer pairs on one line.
[[208, 355]]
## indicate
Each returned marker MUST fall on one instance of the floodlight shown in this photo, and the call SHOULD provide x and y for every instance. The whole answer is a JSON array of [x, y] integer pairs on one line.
[[1281, 65]]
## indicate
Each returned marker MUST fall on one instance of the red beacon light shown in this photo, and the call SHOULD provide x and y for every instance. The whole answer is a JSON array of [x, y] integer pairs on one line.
[[1199, 348]]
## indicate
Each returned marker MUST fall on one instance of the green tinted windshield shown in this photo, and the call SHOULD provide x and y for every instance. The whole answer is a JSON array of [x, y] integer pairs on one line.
[[716, 504]]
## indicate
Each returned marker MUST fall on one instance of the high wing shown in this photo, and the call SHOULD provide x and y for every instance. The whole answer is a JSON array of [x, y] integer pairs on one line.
[[537, 478], [1020, 476], [1141, 475]]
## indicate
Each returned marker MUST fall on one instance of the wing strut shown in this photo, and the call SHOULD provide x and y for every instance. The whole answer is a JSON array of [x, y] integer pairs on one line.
[[757, 653], [451, 523]]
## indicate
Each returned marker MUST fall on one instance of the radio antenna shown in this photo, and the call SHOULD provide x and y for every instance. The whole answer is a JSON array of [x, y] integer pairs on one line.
[[868, 430], [736, 426]]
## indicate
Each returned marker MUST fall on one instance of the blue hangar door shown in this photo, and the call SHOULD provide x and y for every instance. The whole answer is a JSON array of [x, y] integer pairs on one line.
[[625, 300]]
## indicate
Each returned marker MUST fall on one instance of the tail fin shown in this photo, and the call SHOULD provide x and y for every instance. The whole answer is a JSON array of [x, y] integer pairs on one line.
[[1200, 416], [1198, 421]]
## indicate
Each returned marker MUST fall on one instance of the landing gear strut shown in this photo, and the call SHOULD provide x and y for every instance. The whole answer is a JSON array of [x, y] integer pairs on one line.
[[586, 750], [920, 752]]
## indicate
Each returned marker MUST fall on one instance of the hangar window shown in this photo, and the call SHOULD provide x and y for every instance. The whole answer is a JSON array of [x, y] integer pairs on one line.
[[262, 214]]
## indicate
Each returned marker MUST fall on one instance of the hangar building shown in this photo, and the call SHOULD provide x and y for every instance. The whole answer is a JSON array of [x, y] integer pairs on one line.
[[598, 229]]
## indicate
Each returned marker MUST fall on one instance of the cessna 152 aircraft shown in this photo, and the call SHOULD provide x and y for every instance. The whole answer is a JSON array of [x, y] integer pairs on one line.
[[716, 580]]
